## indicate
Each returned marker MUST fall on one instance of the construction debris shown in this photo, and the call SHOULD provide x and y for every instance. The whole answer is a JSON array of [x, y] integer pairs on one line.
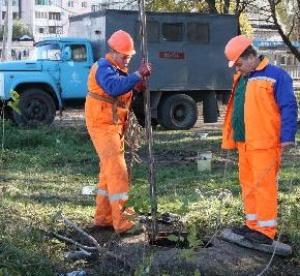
[[169, 226]]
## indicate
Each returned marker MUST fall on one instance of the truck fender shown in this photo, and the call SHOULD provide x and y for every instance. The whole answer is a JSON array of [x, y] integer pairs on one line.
[[50, 88]]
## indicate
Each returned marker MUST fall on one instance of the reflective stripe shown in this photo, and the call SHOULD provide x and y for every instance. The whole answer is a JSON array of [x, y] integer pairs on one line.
[[250, 217], [102, 192], [262, 78], [267, 223], [123, 196]]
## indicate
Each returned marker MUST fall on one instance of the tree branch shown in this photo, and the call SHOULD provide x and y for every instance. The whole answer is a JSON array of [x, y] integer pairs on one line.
[[284, 37], [63, 238], [101, 250]]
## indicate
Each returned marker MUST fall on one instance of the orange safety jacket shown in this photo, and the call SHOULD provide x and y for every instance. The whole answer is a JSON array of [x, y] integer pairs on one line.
[[270, 109], [114, 110]]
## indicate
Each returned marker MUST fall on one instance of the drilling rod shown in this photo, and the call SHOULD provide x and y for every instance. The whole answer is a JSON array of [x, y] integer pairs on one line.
[[149, 137]]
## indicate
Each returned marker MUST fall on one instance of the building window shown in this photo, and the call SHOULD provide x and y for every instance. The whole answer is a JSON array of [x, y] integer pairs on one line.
[[55, 29], [282, 60], [83, 4], [52, 29], [70, 3], [198, 32], [41, 15], [41, 30], [42, 2], [54, 15], [95, 8], [15, 15], [172, 31]]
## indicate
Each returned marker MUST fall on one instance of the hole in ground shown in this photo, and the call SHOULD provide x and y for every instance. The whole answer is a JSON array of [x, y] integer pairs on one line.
[[182, 242]]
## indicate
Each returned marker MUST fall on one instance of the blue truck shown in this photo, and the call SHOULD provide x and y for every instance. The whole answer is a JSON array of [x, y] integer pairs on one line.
[[186, 50]]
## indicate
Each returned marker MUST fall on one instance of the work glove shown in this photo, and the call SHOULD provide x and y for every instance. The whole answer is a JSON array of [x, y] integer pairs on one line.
[[140, 86], [145, 69]]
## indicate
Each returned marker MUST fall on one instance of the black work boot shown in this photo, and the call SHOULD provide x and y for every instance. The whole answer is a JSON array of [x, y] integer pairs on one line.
[[242, 231], [257, 237]]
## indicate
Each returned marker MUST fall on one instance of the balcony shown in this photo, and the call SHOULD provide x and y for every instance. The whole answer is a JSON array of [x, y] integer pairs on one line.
[[294, 71]]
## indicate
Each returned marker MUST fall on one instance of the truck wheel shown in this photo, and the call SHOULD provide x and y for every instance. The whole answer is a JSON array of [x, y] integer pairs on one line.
[[141, 119], [177, 112], [225, 97], [210, 107], [37, 108]]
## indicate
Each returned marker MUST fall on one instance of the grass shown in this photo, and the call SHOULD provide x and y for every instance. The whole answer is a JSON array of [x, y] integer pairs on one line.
[[42, 172]]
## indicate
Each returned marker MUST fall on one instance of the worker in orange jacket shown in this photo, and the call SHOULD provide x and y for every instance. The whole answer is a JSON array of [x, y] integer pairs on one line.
[[261, 122], [107, 107]]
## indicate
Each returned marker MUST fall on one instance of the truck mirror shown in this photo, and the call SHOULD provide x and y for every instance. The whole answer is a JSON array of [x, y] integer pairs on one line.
[[67, 55]]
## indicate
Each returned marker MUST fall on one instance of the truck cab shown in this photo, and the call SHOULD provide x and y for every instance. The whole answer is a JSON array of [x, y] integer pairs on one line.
[[56, 73]]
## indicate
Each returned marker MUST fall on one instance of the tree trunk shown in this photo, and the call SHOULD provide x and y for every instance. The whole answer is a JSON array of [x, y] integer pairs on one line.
[[7, 34]]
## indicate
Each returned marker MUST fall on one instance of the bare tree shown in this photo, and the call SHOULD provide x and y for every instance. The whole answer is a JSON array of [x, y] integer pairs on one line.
[[289, 31]]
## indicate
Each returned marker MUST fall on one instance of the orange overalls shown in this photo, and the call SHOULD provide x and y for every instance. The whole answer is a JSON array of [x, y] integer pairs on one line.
[[259, 155], [106, 119]]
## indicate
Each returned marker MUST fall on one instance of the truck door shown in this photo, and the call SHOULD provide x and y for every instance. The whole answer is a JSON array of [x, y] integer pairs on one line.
[[172, 57], [74, 72]]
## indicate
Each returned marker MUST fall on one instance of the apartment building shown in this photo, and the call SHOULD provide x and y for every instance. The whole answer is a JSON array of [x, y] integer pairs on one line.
[[15, 10], [51, 17], [46, 18]]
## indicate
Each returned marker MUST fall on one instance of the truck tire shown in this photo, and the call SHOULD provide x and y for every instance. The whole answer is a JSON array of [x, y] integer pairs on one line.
[[210, 107], [177, 112], [141, 120], [37, 108]]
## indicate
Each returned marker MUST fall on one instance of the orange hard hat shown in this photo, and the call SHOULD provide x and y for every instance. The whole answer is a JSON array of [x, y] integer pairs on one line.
[[121, 42], [235, 47]]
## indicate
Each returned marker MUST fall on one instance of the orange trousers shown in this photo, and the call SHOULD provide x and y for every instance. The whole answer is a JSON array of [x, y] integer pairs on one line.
[[113, 186], [258, 171]]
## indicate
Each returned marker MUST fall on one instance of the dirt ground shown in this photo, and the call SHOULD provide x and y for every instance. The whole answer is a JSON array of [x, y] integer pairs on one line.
[[75, 118], [136, 257]]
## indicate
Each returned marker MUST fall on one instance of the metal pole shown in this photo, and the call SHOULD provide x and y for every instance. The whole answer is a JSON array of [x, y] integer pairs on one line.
[[149, 137]]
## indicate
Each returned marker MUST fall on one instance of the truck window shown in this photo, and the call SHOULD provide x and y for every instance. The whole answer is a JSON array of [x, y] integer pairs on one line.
[[78, 53], [153, 33], [198, 32], [47, 51], [172, 31]]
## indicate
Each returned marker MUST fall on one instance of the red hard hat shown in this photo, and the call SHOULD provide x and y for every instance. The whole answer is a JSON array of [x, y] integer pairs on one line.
[[122, 42], [235, 47]]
